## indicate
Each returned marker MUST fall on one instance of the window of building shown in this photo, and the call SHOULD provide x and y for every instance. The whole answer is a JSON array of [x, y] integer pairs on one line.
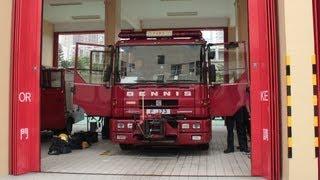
[[213, 35], [216, 36], [67, 46]]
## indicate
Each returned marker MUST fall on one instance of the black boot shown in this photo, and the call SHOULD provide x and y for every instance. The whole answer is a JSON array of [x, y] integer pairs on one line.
[[227, 151], [246, 150]]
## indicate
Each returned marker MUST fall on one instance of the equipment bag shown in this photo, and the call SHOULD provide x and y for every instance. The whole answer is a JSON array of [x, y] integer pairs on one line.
[[59, 146], [76, 141]]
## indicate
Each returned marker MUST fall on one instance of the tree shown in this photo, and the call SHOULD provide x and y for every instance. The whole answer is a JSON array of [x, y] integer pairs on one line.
[[60, 54], [61, 60], [83, 63], [66, 64]]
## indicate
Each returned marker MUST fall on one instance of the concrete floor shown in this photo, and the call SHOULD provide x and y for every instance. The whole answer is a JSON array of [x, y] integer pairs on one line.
[[55, 176], [105, 158]]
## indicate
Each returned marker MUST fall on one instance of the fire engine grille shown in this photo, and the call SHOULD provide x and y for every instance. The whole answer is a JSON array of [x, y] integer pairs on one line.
[[154, 128], [164, 103]]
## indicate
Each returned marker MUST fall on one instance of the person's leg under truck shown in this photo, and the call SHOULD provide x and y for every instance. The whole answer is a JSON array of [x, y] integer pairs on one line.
[[240, 119], [229, 121]]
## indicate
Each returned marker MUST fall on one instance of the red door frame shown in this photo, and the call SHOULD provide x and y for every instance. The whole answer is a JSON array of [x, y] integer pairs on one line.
[[263, 45], [25, 154], [25, 87]]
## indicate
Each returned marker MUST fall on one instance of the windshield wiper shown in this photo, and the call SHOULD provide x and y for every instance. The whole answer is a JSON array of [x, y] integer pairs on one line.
[[149, 81], [182, 80]]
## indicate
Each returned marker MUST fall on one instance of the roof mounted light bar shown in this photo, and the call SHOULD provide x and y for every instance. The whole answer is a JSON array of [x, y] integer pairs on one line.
[[160, 34]]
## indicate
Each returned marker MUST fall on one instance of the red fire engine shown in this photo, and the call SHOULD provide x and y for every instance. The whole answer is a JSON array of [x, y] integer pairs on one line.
[[161, 87]]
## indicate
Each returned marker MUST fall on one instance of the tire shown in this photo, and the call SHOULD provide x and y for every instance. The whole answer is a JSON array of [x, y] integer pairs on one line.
[[125, 147], [204, 147]]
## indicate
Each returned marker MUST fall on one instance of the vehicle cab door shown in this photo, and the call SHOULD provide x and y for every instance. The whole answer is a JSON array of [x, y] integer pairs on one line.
[[53, 99], [228, 78], [92, 79]]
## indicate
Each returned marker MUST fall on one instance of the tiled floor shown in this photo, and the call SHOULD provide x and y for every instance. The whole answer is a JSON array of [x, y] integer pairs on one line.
[[106, 158]]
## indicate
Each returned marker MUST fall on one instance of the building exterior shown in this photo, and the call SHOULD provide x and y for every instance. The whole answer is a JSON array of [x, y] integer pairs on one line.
[[297, 83], [67, 43]]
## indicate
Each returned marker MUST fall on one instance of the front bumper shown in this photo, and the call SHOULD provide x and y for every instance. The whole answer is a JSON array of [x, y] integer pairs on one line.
[[172, 136]]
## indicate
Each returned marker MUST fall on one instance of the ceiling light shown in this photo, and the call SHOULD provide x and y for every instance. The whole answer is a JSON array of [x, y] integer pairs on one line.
[[89, 17], [182, 13], [66, 4]]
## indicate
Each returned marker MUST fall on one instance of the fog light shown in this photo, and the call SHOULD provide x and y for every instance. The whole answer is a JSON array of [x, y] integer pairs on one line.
[[120, 125], [185, 126], [129, 125], [130, 102], [196, 126], [121, 137], [196, 138]]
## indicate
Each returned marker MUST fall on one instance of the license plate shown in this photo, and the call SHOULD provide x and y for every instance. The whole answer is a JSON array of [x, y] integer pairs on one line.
[[158, 111]]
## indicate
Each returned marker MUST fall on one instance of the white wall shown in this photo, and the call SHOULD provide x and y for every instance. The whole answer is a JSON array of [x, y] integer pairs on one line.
[[61, 14], [47, 43], [5, 52], [79, 26], [184, 23], [297, 50]]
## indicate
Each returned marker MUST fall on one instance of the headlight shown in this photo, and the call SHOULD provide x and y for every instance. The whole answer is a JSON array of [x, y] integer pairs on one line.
[[120, 125], [185, 126], [196, 126], [121, 137], [131, 102], [196, 138], [129, 125]]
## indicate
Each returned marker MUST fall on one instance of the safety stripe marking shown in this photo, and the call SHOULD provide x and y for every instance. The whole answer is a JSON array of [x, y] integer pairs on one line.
[[315, 105], [289, 101], [289, 106]]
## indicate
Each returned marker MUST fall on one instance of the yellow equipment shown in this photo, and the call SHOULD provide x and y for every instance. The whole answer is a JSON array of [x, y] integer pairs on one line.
[[64, 137]]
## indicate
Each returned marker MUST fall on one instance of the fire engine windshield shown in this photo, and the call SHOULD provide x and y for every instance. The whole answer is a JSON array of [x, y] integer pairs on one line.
[[159, 64]]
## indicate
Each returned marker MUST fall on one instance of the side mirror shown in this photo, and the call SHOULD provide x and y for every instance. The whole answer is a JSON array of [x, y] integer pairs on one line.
[[211, 54], [212, 73], [107, 73]]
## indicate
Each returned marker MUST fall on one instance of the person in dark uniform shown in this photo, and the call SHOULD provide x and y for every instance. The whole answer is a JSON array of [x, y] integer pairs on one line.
[[239, 119]]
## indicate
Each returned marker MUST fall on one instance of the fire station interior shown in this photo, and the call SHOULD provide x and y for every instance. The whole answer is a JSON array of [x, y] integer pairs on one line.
[[74, 39]]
